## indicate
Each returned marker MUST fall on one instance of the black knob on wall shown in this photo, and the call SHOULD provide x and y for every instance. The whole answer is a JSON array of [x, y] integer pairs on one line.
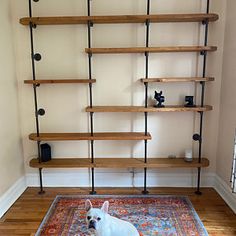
[[196, 137], [36, 0], [41, 112], [37, 57]]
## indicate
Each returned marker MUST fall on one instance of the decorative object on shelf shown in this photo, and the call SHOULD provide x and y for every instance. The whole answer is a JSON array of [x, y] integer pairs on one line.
[[160, 99], [189, 101], [188, 157], [45, 152]]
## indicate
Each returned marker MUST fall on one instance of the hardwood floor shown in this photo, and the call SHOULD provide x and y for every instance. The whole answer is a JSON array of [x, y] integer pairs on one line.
[[26, 214]]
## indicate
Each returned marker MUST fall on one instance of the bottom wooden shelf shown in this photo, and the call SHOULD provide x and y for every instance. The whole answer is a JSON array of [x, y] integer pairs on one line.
[[119, 163]]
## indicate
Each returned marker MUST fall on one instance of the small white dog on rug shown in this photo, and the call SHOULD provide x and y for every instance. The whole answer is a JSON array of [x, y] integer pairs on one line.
[[103, 224]]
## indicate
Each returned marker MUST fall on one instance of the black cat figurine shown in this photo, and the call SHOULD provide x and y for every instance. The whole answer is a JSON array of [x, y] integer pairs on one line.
[[160, 99]]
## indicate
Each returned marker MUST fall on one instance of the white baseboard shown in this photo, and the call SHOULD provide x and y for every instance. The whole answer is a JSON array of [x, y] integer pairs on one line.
[[119, 179], [79, 179], [11, 195], [174, 179], [226, 193]]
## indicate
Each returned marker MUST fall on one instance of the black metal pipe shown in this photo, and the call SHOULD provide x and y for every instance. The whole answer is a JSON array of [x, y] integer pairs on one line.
[[90, 56], [91, 95], [89, 24], [199, 155], [148, 7], [93, 174], [206, 22], [39, 152], [93, 191], [31, 26], [90, 84], [34, 76], [208, 6], [147, 61], [33, 70], [92, 151], [30, 9], [146, 95], [205, 55], [41, 181], [145, 191], [200, 134], [91, 123], [89, 7], [202, 98]]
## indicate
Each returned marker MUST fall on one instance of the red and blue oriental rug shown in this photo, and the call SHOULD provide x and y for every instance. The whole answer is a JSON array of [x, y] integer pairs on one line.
[[151, 215]]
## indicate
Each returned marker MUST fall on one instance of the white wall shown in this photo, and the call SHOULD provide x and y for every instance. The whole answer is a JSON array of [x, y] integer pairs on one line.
[[228, 102], [11, 156], [62, 49]]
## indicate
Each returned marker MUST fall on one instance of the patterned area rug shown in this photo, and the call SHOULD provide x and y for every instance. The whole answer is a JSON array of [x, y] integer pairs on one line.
[[151, 215]]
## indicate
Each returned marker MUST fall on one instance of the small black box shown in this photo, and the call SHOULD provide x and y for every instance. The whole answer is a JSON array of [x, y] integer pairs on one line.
[[45, 152]]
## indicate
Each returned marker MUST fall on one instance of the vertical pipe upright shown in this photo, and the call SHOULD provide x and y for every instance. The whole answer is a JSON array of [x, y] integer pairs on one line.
[[206, 23], [90, 24], [31, 26], [146, 96]]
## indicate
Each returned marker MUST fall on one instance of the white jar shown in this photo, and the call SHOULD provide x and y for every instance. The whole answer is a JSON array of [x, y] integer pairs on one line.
[[188, 155]]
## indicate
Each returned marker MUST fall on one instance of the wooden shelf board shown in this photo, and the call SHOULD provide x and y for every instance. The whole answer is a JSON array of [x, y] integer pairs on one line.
[[148, 109], [119, 163], [87, 136], [60, 81], [177, 79], [176, 163], [160, 18], [150, 49], [62, 163]]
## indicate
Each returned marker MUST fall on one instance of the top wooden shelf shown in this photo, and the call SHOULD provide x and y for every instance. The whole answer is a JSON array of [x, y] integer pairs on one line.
[[60, 81], [177, 79], [150, 49], [117, 19]]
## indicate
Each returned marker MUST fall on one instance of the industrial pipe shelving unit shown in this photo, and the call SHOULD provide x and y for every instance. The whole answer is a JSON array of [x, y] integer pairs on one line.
[[143, 162]]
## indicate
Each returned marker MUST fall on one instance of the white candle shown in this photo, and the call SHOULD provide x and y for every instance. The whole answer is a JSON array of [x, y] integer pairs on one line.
[[188, 155]]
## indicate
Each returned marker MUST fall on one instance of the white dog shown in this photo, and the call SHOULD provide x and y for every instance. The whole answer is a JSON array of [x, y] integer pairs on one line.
[[103, 224]]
